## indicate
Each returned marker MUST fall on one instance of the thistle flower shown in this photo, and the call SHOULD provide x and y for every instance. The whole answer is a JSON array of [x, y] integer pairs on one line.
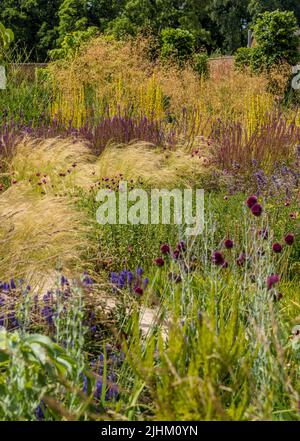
[[277, 247], [272, 280], [256, 210], [289, 239], [251, 201]]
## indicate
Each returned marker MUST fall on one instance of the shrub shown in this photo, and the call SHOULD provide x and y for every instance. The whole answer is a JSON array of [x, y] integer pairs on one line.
[[201, 64], [275, 34], [178, 44], [243, 58]]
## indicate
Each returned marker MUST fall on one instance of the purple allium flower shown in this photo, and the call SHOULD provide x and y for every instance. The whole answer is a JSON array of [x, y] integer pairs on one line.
[[251, 201], [289, 239], [159, 262], [165, 249], [272, 280], [217, 258], [256, 210], [228, 244], [277, 247]]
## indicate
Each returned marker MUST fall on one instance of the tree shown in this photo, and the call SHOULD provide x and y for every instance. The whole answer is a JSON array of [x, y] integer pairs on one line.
[[80, 15], [230, 19], [34, 23], [256, 7]]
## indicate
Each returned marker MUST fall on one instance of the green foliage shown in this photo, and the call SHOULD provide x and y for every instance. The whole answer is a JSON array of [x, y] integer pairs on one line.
[[34, 23], [243, 57], [177, 44], [256, 7], [275, 37], [32, 366], [201, 64], [229, 24], [72, 43], [6, 37], [40, 25]]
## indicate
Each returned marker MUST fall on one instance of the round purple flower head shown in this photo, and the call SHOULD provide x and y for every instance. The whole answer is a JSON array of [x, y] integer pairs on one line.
[[228, 244], [217, 258], [277, 248], [251, 201], [159, 262], [256, 210], [289, 239], [165, 249]]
